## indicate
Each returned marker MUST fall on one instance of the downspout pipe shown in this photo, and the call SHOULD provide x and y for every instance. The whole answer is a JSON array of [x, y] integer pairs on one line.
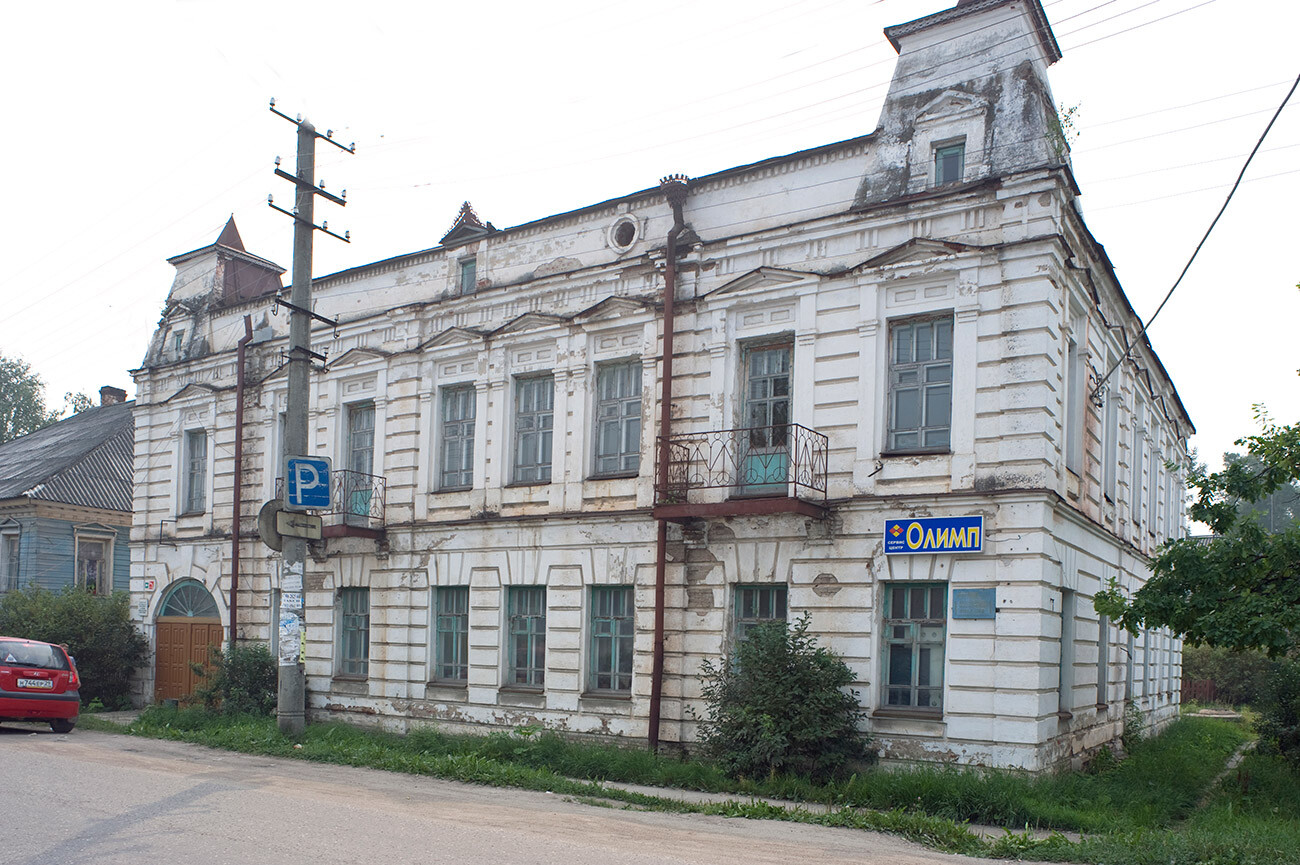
[[239, 477], [675, 187]]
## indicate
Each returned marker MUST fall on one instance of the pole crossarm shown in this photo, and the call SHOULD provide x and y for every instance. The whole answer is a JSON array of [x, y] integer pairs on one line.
[[297, 181], [328, 136], [332, 322]]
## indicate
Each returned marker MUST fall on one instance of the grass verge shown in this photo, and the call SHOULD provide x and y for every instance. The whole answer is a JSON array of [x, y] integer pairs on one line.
[[1140, 811]]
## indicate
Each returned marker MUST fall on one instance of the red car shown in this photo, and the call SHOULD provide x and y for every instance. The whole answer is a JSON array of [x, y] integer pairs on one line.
[[38, 682]]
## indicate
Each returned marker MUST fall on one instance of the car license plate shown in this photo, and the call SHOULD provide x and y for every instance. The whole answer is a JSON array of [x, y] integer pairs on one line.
[[40, 684]]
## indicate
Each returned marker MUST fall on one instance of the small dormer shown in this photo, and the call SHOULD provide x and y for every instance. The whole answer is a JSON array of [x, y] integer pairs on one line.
[[465, 232]]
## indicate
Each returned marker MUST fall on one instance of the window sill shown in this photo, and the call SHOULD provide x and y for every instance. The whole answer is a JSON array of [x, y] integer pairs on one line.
[[1064, 715], [911, 712], [345, 677], [453, 489], [515, 695], [607, 696], [614, 476], [191, 514], [514, 484], [919, 452]]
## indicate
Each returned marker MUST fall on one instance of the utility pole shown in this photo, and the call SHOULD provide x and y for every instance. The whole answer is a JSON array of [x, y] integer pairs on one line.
[[291, 693]]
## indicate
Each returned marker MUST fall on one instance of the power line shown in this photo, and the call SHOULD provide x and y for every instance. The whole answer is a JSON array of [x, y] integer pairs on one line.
[[1142, 333]]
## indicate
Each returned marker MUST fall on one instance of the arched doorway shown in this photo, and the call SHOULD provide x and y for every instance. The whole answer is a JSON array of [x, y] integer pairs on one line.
[[188, 622]]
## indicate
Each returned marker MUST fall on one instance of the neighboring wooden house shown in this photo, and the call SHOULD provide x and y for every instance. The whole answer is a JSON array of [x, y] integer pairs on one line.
[[65, 501]]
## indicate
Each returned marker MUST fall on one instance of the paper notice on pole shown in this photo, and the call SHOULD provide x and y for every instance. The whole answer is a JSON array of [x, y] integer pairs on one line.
[[291, 583], [290, 637], [291, 601]]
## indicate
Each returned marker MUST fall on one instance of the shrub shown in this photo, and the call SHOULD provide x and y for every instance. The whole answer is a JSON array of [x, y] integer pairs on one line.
[[1239, 677], [241, 680], [1279, 705], [97, 631], [780, 705]]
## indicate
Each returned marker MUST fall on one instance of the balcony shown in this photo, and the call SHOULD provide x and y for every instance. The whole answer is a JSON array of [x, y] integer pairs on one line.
[[750, 471], [356, 504]]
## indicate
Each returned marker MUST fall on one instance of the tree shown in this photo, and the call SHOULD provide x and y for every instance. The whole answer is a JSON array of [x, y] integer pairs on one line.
[[1240, 589], [1276, 511], [22, 400], [76, 403]]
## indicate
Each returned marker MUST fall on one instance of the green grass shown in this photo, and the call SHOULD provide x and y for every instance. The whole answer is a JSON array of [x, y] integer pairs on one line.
[[1140, 811]]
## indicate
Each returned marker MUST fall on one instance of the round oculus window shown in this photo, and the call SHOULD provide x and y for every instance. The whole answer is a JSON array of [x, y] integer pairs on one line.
[[623, 233]]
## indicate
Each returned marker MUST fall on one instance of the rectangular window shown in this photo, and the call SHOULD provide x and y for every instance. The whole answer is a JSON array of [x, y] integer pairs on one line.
[[949, 163], [1073, 408], [357, 489], [1135, 454], [92, 566], [451, 634], [1065, 666], [758, 605], [916, 617], [459, 406], [618, 418], [920, 385], [354, 632], [178, 340], [196, 471], [1103, 661], [10, 546], [1153, 489], [526, 608], [1110, 460], [611, 638], [534, 420], [468, 275]]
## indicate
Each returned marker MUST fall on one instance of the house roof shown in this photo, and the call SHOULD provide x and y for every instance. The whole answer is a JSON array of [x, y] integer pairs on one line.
[[965, 8], [87, 460]]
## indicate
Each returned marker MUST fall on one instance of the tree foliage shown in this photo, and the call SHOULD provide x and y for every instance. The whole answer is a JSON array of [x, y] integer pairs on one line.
[[241, 680], [782, 704], [97, 631], [1239, 589], [22, 400]]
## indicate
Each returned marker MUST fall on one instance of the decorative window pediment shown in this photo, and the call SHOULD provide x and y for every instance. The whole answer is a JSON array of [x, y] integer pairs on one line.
[[762, 278], [453, 335], [952, 104], [529, 321], [918, 249], [610, 308], [192, 390], [357, 355]]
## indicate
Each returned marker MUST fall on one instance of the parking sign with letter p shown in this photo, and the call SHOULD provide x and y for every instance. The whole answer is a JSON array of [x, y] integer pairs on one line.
[[307, 483]]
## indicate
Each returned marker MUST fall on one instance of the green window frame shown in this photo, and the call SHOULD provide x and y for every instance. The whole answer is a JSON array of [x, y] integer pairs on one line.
[[451, 634], [459, 408], [618, 418], [196, 471], [468, 274], [534, 423], [526, 619], [949, 163], [916, 617], [612, 629], [758, 605], [920, 384], [354, 632]]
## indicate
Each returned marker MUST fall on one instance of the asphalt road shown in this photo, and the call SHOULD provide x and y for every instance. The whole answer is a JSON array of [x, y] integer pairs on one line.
[[101, 798]]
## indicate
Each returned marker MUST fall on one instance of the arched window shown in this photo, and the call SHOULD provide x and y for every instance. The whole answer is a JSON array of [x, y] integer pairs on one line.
[[191, 600]]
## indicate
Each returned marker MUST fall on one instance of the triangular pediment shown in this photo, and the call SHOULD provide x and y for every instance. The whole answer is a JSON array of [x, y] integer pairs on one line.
[[94, 528], [611, 307], [9, 524], [917, 249], [467, 227], [951, 103], [453, 335], [192, 389], [359, 354], [529, 321], [762, 278]]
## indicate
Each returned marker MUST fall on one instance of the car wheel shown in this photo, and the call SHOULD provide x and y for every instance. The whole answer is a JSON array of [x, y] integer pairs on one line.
[[62, 726]]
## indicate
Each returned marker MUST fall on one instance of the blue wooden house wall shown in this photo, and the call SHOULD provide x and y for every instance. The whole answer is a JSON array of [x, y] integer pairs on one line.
[[47, 550]]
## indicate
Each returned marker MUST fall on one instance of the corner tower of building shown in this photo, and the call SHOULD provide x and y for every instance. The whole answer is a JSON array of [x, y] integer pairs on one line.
[[969, 100]]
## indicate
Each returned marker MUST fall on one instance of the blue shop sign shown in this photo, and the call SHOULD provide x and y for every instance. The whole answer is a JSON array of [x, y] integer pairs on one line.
[[934, 535]]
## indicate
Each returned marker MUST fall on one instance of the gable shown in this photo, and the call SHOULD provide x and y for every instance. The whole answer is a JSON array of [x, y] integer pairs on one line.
[[950, 104], [611, 308], [917, 249], [191, 390], [762, 278], [529, 321], [357, 355], [453, 335]]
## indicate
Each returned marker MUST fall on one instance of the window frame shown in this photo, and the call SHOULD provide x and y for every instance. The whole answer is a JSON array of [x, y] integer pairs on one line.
[[898, 369], [1074, 408], [620, 409], [451, 608], [608, 623], [353, 632], [538, 422], [11, 558], [941, 150], [526, 630], [465, 428], [194, 481], [916, 642], [104, 576], [467, 267], [771, 603]]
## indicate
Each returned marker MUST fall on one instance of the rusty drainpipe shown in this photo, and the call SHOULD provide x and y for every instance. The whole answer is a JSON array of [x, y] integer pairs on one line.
[[239, 476], [675, 187]]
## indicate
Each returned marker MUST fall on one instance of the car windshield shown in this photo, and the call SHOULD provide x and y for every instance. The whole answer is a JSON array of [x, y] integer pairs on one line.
[[40, 655]]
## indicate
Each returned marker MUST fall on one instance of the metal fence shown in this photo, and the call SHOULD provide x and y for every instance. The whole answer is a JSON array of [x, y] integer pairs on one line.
[[783, 460]]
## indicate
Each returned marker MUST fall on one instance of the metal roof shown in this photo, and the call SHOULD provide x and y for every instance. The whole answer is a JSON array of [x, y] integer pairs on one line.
[[87, 459]]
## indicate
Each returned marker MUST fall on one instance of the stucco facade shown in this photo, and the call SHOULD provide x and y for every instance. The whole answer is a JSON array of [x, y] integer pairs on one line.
[[952, 235]]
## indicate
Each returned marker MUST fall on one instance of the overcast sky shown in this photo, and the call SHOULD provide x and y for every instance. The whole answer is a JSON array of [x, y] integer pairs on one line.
[[135, 130]]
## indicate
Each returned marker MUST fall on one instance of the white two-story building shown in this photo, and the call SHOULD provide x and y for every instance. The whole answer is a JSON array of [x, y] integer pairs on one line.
[[913, 325]]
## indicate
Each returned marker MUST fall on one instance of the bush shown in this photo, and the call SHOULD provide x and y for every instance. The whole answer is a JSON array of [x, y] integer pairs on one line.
[[780, 706], [1239, 677], [238, 681], [1279, 705], [97, 631]]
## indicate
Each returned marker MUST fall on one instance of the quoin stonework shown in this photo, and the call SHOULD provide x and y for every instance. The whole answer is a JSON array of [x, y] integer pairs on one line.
[[912, 325]]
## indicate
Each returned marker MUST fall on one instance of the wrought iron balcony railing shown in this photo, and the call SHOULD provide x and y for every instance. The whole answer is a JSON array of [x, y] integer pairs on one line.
[[787, 460], [357, 497]]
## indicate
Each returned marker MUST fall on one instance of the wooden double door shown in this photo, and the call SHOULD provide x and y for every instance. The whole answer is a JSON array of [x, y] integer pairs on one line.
[[182, 640]]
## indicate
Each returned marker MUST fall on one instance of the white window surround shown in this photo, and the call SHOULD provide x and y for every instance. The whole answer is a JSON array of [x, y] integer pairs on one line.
[[954, 117], [186, 504], [10, 555], [88, 536]]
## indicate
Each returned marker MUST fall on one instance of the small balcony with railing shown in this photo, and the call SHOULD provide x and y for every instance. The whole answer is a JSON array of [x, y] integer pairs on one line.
[[745, 471], [357, 502]]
